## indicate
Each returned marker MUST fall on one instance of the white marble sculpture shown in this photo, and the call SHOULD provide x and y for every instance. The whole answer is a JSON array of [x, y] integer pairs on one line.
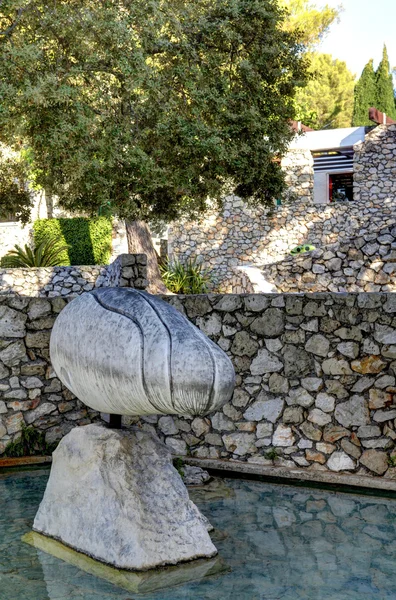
[[127, 352], [114, 494]]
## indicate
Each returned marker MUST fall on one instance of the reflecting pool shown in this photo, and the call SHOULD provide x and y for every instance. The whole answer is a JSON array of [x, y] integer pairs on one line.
[[281, 543]]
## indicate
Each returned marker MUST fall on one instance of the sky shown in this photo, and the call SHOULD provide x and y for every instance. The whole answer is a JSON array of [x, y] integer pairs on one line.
[[363, 29]]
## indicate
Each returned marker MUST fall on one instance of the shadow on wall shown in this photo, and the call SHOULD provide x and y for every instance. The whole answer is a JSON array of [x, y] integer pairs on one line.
[[89, 239], [240, 236], [80, 244]]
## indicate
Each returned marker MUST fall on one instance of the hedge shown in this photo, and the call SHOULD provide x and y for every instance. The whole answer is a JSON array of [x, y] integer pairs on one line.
[[89, 239]]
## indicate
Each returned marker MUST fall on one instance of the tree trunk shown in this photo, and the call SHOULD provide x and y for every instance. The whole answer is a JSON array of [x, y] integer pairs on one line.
[[139, 242], [49, 201]]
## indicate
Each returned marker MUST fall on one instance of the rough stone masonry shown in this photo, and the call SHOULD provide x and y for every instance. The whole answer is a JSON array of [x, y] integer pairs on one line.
[[239, 235], [365, 263], [315, 380]]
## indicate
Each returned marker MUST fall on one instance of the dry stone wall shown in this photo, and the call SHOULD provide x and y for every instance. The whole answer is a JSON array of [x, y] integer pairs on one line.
[[375, 166], [315, 380], [365, 263], [30, 393], [238, 235], [128, 270]]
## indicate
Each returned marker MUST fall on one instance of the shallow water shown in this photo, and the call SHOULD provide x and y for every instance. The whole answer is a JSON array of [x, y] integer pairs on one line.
[[281, 542]]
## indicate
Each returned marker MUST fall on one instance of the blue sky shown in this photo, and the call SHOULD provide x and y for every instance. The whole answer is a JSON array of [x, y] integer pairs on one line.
[[363, 29]]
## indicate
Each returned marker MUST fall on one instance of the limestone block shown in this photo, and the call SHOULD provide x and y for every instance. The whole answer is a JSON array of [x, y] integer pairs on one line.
[[12, 323], [339, 461], [115, 496], [126, 352]]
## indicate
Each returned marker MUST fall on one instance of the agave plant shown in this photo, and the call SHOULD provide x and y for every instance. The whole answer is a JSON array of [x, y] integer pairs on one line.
[[46, 254], [185, 278]]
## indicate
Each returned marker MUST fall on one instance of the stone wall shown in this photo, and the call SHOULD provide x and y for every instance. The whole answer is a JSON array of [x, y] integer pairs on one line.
[[315, 380], [375, 166], [363, 264], [239, 235], [128, 270]]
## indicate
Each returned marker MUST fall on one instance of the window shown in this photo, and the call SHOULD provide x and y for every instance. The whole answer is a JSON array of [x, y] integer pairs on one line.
[[333, 175], [340, 187]]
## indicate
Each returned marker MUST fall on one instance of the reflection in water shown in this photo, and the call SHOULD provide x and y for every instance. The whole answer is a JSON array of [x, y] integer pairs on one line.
[[282, 543]]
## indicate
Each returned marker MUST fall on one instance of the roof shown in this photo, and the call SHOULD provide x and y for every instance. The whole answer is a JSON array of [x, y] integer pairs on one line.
[[326, 139]]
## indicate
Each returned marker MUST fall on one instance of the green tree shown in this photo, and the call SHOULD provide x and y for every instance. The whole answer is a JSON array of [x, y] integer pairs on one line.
[[384, 93], [308, 19], [152, 105], [15, 196], [327, 100], [364, 96]]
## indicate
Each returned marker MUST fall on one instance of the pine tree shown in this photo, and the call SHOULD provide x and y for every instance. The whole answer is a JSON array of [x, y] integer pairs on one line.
[[327, 100], [385, 98], [365, 96]]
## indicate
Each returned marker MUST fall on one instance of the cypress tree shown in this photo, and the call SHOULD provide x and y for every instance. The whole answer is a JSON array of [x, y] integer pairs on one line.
[[385, 98], [365, 96]]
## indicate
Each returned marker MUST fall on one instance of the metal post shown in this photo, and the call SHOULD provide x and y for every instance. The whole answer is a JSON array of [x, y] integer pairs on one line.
[[115, 422]]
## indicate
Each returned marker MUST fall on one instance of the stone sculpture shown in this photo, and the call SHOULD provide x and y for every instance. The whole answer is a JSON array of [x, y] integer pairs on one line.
[[114, 494], [127, 352]]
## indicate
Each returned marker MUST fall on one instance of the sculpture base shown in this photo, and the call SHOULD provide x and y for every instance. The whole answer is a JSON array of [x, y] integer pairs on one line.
[[138, 582], [115, 496]]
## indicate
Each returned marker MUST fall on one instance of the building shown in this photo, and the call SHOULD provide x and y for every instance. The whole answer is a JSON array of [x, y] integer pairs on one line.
[[341, 184]]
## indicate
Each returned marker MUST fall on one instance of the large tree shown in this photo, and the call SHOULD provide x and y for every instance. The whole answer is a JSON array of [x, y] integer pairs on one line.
[[385, 98], [327, 100], [310, 20], [364, 96], [155, 106], [374, 89]]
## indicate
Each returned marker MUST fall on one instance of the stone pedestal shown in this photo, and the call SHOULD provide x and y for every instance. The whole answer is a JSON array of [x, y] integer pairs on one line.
[[115, 496]]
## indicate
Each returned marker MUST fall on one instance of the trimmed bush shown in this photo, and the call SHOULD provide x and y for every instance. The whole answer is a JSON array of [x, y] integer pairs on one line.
[[89, 239]]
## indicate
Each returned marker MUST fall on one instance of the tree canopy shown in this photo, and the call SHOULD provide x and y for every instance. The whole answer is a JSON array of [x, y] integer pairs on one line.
[[374, 89], [364, 96], [311, 22], [327, 100], [152, 105], [385, 97]]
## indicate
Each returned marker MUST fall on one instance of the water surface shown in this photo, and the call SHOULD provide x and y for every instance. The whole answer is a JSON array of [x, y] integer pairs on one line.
[[281, 542]]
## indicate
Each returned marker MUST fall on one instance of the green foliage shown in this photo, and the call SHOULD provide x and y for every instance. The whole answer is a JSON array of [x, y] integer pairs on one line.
[[178, 464], [88, 240], [15, 197], [327, 100], [311, 22], [272, 454], [31, 443], [185, 278], [385, 98], [374, 89], [392, 461], [364, 96], [48, 253], [155, 106]]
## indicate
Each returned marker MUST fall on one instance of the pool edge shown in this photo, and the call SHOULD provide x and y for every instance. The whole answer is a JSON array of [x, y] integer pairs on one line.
[[286, 474]]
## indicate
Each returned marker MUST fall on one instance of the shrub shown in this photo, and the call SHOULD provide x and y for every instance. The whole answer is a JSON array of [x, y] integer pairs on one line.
[[178, 463], [89, 240], [185, 278], [31, 443], [49, 253]]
